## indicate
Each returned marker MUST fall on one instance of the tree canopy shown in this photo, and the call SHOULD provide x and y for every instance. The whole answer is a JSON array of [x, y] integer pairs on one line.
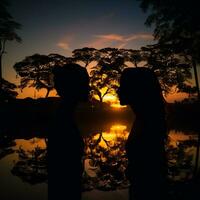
[[176, 24], [85, 55], [8, 28], [7, 91], [35, 72], [172, 70], [105, 75]]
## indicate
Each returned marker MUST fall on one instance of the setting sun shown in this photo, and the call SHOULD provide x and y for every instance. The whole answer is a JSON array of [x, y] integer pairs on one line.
[[113, 101]]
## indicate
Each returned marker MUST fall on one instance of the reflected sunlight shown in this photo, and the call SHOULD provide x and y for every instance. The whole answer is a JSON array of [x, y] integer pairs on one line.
[[117, 132], [29, 145]]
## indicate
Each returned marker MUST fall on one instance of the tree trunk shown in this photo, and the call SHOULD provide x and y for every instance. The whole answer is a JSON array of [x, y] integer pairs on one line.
[[136, 64], [198, 94], [100, 99], [86, 64], [47, 94]]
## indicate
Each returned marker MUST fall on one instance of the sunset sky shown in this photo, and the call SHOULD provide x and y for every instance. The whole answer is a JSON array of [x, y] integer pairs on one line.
[[60, 26]]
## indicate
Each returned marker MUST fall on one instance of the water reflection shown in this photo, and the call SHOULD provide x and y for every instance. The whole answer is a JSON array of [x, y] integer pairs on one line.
[[105, 159], [23, 168], [31, 165], [181, 149]]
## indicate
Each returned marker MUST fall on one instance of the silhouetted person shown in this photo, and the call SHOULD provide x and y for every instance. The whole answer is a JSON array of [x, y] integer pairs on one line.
[[145, 146], [65, 142]]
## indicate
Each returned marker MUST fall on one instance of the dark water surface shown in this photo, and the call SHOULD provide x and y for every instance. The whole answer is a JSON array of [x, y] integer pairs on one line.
[[23, 162]]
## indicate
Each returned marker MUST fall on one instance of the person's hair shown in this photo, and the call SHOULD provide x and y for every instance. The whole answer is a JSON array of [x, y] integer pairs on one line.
[[140, 87], [71, 82]]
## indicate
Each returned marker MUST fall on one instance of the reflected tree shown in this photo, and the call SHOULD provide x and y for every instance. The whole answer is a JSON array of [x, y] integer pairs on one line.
[[32, 165], [109, 158], [180, 165], [180, 169]]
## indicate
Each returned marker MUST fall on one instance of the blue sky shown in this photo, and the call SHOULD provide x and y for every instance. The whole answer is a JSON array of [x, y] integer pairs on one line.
[[60, 26]]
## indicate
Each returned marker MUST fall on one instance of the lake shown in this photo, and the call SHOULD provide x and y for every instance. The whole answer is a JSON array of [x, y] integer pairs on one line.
[[23, 162]]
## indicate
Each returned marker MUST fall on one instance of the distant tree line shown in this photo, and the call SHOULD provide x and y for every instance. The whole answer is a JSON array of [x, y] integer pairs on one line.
[[172, 58], [105, 67]]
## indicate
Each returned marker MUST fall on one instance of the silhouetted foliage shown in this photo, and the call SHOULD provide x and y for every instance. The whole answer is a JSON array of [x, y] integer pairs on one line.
[[106, 164], [7, 91], [133, 56], [105, 75], [35, 71], [85, 55], [31, 166], [8, 28], [177, 25], [59, 60], [172, 70]]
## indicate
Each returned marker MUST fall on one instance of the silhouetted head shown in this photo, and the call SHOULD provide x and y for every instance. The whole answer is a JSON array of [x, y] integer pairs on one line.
[[140, 88], [72, 83]]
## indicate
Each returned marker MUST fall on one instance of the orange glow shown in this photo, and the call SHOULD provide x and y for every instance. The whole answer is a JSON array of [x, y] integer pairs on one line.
[[33, 93], [29, 145], [113, 101], [176, 137], [176, 97], [116, 131], [109, 98]]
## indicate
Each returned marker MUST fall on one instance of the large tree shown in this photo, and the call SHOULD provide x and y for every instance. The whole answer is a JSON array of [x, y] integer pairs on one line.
[[177, 24], [35, 71], [105, 75], [172, 70], [8, 28]]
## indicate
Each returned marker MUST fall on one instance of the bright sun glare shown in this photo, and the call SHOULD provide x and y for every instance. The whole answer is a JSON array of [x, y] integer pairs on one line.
[[113, 101]]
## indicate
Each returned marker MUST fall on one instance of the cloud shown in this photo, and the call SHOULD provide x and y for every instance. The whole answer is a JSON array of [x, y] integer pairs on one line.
[[111, 37], [117, 40], [63, 45], [145, 36], [117, 37]]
